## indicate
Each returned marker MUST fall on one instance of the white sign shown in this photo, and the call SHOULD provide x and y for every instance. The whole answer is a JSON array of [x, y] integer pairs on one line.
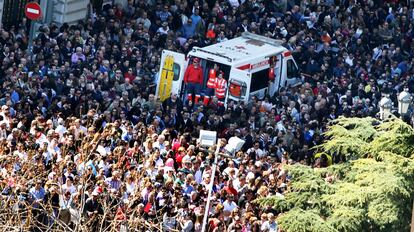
[[208, 138]]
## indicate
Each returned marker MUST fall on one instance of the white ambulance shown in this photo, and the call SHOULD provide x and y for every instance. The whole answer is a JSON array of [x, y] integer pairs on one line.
[[245, 61]]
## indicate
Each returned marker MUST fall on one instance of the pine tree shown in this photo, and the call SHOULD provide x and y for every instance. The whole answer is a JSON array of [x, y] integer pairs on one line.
[[371, 191]]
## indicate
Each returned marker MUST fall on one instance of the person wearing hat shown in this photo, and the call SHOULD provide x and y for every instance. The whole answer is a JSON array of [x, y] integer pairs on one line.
[[193, 78]]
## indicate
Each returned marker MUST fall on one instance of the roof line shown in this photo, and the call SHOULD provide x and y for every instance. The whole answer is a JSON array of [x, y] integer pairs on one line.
[[264, 39], [195, 49]]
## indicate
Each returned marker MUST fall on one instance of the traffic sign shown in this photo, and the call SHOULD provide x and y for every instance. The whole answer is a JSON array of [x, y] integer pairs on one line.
[[33, 11]]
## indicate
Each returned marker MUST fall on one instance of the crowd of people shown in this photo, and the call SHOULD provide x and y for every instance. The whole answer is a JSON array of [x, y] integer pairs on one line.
[[84, 139]]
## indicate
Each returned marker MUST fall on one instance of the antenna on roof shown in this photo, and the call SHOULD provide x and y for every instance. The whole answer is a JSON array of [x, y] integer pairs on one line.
[[264, 39]]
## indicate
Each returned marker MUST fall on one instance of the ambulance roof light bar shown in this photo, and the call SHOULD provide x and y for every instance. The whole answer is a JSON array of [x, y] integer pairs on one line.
[[213, 53], [274, 42]]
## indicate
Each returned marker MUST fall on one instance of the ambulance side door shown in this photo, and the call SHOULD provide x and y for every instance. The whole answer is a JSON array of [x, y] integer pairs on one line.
[[238, 85], [171, 73], [275, 85], [291, 75]]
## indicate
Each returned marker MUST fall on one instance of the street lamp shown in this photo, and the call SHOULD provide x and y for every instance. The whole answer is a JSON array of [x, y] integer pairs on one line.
[[385, 107], [404, 100], [233, 146]]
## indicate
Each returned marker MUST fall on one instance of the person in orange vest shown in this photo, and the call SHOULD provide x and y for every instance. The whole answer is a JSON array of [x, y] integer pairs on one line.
[[193, 78], [211, 84], [221, 86]]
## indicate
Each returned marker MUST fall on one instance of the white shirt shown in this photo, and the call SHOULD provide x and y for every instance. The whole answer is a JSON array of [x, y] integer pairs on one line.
[[65, 203], [377, 53], [234, 3], [66, 188], [3, 134], [198, 176], [228, 169], [6, 119], [259, 152], [48, 156], [130, 188], [159, 163], [103, 165], [237, 185], [187, 226], [60, 130], [267, 105], [145, 22], [162, 31], [42, 139], [22, 155], [349, 61], [229, 206], [280, 126]]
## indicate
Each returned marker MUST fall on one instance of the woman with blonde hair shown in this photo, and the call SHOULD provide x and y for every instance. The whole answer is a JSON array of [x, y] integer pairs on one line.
[[263, 191]]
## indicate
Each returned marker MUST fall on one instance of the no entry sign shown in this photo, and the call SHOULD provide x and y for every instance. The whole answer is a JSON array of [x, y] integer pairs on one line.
[[33, 11]]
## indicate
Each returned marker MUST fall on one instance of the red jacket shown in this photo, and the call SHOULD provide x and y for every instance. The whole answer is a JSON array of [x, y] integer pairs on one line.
[[193, 75]]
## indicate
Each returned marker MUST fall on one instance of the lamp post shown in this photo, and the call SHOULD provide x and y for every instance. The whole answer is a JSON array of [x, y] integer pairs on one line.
[[385, 107], [404, 100], [234, 145], [210, 189]]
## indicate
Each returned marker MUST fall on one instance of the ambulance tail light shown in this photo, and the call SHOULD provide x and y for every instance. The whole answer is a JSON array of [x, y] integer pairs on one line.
[[286, 54], [237, 89]]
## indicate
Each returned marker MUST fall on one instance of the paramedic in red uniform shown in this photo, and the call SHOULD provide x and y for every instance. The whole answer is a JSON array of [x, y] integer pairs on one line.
[[193, 78], [211, 84], [221, 86]]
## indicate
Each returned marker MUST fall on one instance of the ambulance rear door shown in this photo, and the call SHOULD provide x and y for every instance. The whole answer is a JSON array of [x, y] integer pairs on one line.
[[238, 85], [171, 74]]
